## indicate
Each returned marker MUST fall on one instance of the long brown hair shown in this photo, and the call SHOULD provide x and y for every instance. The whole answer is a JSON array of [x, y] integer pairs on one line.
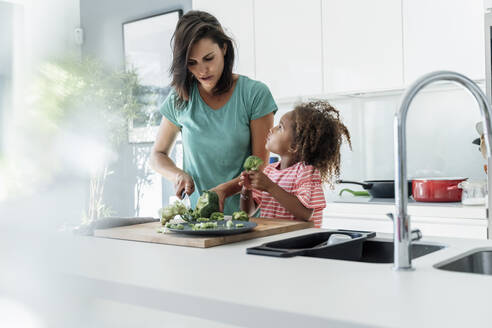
[[192, 27]]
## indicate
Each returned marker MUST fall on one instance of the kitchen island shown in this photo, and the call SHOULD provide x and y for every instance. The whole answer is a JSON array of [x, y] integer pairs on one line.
[[141, 284]]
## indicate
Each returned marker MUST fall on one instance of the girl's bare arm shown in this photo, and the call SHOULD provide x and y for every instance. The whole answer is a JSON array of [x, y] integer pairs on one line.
[[291, 203], [262, 182], [247, 203]]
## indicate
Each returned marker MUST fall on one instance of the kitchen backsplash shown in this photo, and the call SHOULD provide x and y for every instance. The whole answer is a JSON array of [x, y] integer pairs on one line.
[[440, 130]]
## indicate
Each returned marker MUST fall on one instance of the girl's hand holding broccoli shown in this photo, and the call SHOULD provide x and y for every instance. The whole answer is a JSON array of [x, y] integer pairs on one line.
[[244, 180], [260, 181]]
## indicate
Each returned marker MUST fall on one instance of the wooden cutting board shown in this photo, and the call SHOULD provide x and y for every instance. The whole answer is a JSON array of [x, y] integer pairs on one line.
[[147, 232]]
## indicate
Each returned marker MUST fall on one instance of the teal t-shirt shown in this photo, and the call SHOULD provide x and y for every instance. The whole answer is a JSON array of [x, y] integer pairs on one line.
[[216, 142]]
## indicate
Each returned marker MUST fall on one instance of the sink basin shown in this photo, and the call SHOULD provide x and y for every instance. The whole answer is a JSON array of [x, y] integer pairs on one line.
[[363, 247], [378, 250], [475, 261]]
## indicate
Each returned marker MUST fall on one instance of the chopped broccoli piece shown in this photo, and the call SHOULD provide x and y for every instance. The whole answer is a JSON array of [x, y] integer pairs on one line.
[[175, 226], [207, 204], [239, 225], [193, 214], [202, 220], [229, 224], [168, 212], [188, 216], [217, 216], [252, 163], [205, 225], [240, 216]]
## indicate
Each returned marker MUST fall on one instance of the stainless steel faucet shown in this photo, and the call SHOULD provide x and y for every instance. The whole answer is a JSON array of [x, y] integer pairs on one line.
[[401, 220]]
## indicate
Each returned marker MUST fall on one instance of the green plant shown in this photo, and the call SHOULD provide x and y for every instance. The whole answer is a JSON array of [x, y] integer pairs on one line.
[[91, 101]]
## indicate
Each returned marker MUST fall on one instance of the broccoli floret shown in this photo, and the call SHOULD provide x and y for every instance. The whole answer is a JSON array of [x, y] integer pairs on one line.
[[209, 225], [240, 216], [175, 226], [189, 215], [229, 224], [252, 163], [180, 208], [202, 220], [207, 204], [193, 214], [168, 212], [217, 216], [239, 225], [205, 225]]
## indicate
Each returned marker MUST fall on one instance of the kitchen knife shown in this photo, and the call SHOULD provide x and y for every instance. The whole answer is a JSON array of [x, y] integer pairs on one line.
[[186, 199]]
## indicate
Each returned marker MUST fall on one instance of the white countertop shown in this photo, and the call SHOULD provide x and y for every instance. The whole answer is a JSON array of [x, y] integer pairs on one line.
[[223, 286]]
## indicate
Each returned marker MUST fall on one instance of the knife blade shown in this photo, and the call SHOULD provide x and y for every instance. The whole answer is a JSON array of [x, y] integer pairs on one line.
[[186, 199]]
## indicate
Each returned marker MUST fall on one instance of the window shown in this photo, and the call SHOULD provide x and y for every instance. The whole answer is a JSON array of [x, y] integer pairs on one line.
[[148, 51], [147, 46]]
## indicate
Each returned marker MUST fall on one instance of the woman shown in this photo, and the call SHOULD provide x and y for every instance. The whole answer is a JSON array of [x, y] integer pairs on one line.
[[223, 117]]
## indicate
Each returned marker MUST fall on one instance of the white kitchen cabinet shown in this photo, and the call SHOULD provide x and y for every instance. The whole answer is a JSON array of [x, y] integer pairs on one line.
[[288, 46], [451, 220], [443, 35], [362, 45], [237, 19], [429, 226]]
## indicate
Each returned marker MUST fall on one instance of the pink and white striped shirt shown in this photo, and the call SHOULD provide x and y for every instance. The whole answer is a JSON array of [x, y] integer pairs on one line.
[[301, 180]]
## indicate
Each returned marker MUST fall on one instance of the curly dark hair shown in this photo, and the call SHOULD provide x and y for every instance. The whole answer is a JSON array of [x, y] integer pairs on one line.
[[318, 133]]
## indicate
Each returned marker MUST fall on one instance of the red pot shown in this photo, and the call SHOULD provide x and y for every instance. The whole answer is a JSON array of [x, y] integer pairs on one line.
[[437, 189]]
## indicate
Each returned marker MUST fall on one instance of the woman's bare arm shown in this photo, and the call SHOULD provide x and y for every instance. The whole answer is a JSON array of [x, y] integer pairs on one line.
[[259, 133], [163, 164]]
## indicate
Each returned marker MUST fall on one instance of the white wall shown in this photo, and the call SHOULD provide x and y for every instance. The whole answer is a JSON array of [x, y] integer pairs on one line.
[[50, 28]]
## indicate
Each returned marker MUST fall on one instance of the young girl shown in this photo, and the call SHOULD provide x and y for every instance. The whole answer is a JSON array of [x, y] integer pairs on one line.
[[308, 140]]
